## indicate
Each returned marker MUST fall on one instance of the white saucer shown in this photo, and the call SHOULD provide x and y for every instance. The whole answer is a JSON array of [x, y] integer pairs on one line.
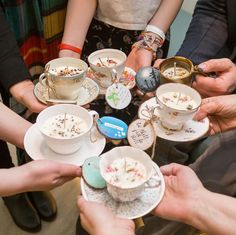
[[88, 92], [37, 149], [127, 79], [141, 206], [192, 130]]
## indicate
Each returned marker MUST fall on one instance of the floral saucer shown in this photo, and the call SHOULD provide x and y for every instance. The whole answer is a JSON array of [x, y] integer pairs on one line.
[[192, 130], [127, 79], [88, 92], [37, 148], [141, 206]]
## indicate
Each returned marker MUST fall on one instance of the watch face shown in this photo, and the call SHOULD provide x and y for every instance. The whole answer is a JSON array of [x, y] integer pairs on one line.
[[147, 79], [112, 128]]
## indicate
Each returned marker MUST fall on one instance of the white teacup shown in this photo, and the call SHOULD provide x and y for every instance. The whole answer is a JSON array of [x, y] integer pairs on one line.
[[107, 65], [66, 135], [127, 192], [64, 76], [177, 104]]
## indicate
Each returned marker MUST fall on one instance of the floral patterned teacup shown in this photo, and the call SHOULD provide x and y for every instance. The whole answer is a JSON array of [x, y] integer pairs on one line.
[[107, 65], [64, 76], [177, 103], [127, 172]]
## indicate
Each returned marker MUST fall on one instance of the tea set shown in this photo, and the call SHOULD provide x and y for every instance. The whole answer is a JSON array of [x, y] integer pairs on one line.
[[69, 133]]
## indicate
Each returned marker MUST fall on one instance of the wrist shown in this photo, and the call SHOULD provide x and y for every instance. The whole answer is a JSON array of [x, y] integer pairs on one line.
[[197, 209], [68, 53], [119, 227], [156, 30], [150, 42], [18, 89]]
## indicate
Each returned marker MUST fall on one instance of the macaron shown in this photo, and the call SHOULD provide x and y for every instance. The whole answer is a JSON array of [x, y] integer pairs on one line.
[[91, 173]]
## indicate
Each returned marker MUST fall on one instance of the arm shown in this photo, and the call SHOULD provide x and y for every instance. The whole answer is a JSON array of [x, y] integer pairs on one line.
[[186, 200], [209, 23], [36, 176], [78, 18], [14, 76], [166, 14], [162, 19], [12, 126]]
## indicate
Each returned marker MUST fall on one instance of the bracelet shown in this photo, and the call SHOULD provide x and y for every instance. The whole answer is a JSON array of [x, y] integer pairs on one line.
[[141, 44], [156, 30], [64, 46]]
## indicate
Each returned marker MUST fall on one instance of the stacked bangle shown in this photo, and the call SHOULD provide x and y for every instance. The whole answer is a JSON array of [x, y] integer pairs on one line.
[[64, 46]]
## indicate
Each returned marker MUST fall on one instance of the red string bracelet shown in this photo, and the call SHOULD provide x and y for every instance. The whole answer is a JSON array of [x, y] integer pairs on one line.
[[64, 46]]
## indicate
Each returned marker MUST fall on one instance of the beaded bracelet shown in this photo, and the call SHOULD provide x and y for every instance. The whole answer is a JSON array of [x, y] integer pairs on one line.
[[64, 46], [149, 41]]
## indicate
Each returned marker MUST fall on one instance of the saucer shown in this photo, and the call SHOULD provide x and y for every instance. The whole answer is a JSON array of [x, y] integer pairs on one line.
[[86, 93], [127, 79], [146, 202], [37, 148], [192, 130]]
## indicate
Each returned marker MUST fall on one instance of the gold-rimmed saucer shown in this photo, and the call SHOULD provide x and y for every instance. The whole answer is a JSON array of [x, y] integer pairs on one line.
[[88, 92]]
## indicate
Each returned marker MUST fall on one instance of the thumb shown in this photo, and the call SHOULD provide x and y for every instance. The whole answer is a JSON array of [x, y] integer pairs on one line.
[[70, 170], [157, 63], [206, 109], [215, 65]]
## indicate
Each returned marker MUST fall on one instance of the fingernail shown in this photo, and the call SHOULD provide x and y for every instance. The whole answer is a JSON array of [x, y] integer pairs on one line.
[[202, 66]]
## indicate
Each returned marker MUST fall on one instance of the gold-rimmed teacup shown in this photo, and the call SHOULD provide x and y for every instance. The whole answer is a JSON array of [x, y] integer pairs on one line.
[[64, 76]]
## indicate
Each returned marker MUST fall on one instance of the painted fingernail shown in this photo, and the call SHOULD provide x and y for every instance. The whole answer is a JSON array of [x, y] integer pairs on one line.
[[202, 66]]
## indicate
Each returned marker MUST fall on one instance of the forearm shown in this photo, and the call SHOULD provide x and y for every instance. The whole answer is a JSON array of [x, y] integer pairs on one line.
[[14, 181], [12, 126], [166, 14], [214, 214], [78, 18]]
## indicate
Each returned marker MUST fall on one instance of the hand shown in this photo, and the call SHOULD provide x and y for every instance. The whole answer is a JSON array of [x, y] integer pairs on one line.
[[221, 111], [139, 58], [23, 92], [46, 174], [143, 96], [157, 63], [224, 83], [183, 190], [98, 219]]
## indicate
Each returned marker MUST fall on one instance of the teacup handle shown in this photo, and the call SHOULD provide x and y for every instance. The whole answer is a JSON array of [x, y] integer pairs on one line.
[[114, 76], [153, 182], [95, 117], [41, 77], [94, 114]]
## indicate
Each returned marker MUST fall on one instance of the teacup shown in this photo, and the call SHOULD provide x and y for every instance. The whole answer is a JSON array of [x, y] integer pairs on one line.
[[64, 76], [107, 65], [177, 69], [177, 103], [64, 126], [130, 188]]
